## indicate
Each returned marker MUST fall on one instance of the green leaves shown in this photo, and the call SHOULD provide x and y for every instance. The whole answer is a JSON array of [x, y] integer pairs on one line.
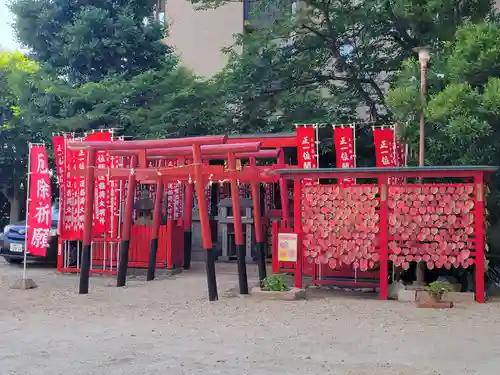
[[88, 41], [476, 54], [274, 283]]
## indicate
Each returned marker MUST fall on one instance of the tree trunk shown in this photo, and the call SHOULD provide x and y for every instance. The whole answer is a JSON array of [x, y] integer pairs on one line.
[[15, 203], [15, 208]]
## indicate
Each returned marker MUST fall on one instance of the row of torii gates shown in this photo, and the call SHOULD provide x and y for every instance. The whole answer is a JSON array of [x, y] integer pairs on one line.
[[195, 151]]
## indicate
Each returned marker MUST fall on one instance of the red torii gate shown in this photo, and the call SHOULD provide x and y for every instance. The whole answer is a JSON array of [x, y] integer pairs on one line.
[[249, 175], [92, 147], [218, 173], [197, 150], [274, 141]]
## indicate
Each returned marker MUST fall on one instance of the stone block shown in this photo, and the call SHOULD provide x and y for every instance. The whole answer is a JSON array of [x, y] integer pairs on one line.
[[24, 284], [455, 297], [460, 297], [406, 295], [289, 295], [422, 296], [435, 304]]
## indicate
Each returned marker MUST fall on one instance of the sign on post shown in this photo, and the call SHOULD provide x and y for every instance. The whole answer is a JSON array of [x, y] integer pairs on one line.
[[39, 218], [287, 247]]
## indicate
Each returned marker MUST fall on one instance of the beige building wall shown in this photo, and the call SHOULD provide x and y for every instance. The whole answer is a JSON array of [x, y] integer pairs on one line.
[[199, 35]]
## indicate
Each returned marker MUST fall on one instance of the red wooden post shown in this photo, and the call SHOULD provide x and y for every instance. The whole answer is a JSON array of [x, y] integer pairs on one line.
[[259, 236], [188, 222], [153, 249], [170, 248], [121, 277], [60, 245], [205, 224], [383, 233], [274, 247], [238, 226], [479, 182], [297, 192], [87, 224], [284, 193]]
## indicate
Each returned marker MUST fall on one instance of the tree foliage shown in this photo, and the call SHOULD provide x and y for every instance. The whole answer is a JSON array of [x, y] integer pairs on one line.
[[349, 50], [85, 41], [16, 80], [462, 111], [107, 66]]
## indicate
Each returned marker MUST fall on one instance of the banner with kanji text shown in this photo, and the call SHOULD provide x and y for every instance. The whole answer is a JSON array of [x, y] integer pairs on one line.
[[101, 185], [39, 215], [59, 142], [306, 150], [345, 153], [173, 194], [70, 199], [385, 148]]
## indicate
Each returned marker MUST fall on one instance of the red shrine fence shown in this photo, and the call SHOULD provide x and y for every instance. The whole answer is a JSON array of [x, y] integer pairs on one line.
[[369, 227]]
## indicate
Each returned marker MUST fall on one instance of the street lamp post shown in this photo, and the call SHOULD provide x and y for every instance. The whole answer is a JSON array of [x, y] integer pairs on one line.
[[423, 58]]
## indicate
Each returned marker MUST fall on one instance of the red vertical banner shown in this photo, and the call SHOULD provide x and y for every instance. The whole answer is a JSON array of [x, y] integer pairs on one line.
[[102, 186], [269, 196], [114, 201], [306, 150], [172, 193], [178, 200], [69, 215], [39, 215], [59, 142], [384, 146], [400, 158], [345, 153], [400, 153], [81, 164]]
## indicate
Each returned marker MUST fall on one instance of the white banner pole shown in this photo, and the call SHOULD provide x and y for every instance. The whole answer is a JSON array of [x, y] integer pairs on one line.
[[25, 261]]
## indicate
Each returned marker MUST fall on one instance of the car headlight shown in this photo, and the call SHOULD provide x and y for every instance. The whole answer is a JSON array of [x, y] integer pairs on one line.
[[53, 232], [7, 228]]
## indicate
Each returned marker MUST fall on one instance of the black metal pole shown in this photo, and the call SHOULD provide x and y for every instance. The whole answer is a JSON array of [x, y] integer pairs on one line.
[[188, 237], [121, 277], [211, 280], [242, 269], [153, 250], [84, 270], [261, 259], [87, 225]]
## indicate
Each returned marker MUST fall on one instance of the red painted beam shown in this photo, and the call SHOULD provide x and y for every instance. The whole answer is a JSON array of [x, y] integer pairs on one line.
[[262, 154], [148, 144], [268, 141], [206, 150], [264, 173]]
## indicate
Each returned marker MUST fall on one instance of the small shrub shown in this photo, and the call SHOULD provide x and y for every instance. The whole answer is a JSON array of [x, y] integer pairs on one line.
[[438, 289], [274, 283]]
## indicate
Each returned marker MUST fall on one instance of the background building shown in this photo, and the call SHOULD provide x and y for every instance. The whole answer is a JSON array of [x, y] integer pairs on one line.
[[199, 36]]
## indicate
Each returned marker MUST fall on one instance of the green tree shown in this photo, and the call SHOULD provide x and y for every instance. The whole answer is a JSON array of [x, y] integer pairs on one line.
[[166, 102], [107, 66], [85, 41], [350, 49], [15, 131], [462, 110]]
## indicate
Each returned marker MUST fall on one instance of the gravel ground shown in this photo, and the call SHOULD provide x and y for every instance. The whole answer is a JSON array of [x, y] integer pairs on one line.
[[168, 327]]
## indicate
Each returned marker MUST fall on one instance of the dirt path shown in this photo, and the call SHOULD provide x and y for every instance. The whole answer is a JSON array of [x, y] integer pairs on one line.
[[168, 327]]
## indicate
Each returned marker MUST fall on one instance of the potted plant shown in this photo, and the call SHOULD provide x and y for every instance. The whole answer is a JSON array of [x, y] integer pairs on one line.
[[274, 283], [274, 287], [437, 290]]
